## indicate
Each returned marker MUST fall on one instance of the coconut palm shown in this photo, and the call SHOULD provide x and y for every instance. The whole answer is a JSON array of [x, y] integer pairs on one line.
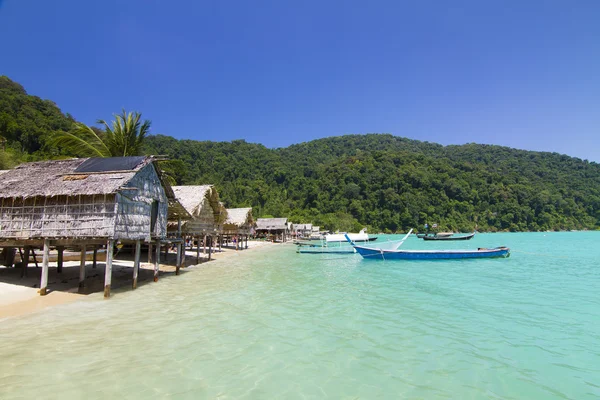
[[123, 137]]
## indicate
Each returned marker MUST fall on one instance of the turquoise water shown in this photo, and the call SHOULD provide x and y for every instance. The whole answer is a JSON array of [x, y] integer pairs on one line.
[[271, 323]]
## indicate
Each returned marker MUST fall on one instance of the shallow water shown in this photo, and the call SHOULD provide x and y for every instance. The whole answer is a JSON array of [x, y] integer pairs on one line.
[[271, 323]]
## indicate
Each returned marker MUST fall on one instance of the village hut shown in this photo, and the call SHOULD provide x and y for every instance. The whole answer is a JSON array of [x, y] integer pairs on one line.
[[238, 226], [302, 230], [207, 212], [273, 228], [83, 203]]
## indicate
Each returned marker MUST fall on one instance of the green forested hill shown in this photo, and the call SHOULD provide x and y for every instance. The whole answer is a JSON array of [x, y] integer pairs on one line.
[[383, 181], [25, 123], [392, 183]]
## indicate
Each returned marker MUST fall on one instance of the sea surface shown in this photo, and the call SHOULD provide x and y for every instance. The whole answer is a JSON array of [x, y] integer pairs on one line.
[[273, 324]]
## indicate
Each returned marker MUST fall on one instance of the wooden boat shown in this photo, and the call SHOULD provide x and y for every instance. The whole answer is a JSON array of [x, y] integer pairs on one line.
[[382, 254], [395, 254], [431, 234], [438, 237]]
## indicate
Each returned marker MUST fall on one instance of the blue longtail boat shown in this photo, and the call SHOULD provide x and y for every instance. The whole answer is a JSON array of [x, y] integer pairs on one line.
[[395, 254]]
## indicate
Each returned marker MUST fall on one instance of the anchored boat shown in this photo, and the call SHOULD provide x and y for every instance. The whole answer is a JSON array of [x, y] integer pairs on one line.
[[395, 254], [448, 237]]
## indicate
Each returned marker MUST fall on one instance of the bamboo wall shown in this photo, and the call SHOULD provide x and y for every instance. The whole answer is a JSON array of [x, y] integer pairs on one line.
[[59, 216]]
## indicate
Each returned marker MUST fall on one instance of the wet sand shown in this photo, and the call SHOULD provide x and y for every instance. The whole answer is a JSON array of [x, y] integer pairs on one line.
[[20, 296]]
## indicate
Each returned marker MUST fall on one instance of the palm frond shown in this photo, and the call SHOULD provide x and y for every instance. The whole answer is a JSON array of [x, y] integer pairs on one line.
[[81, 141]]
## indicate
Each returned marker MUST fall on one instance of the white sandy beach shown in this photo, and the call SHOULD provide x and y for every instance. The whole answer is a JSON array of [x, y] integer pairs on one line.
[[19, 296]]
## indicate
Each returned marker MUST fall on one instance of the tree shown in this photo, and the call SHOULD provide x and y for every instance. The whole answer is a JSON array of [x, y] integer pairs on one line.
[[124, 137]]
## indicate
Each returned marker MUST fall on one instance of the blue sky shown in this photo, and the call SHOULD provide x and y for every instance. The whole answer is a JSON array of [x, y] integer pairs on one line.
[[523, 74]]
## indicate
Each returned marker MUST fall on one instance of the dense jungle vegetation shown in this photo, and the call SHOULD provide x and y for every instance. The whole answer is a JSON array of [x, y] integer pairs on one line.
[[382, 181]]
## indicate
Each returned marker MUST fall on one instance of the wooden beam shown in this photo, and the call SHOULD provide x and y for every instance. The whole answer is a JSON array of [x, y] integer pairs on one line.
[[136, 263], [150, 252], [110, 247], [95, 256], [82, 269], [210, 248], [44, 280]]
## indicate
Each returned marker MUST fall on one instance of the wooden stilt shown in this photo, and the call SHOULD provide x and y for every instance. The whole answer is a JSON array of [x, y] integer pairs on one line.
[[136, 263], [156, 261], [204, 245], [34, 258], [59, 262], [210, 241], [149, 252], [198, 249], [110, 247], [44, 281], [237, 242], [180, 258], [95, 256], [220, 243], [82, 269], [25, 261], [247, 242]]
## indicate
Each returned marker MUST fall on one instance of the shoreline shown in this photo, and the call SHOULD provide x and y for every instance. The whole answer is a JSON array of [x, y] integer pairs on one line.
[[20, 296]]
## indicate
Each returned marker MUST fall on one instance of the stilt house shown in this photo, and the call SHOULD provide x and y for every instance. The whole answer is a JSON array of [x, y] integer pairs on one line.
[[273, 228], [238, 226], [208, 214], [85, 202]]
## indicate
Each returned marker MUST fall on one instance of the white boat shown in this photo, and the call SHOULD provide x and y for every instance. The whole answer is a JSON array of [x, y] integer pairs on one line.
[[362, 236]]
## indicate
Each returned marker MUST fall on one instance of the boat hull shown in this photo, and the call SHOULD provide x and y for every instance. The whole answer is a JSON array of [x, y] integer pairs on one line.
[[466, 237], [381, 254]]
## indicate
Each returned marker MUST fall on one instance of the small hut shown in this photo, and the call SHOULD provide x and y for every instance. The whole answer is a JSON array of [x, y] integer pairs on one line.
[[273, 228], [208, 215], [239, 225], [302, 230], [87, 202]]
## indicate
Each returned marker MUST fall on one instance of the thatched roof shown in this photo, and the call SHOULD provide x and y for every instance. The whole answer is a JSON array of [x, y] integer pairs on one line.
[[193, 197], [239, 217], [71, 178], [303, 227], [271, 223]]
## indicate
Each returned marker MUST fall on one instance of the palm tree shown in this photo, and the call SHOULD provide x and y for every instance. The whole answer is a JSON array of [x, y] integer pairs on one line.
[[124, 137]]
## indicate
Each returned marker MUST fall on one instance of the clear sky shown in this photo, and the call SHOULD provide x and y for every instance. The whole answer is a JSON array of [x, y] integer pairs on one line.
[[523, 74]]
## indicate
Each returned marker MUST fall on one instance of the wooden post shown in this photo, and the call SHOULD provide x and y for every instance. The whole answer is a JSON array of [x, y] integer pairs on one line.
[[44, 281], [237, 242], [247, 242], [136, 263], [204, 245], [156, 261], [82, 269], [180, 258], [150, 252], [25, 261], [197, 249], [210, 248], [59, 262], [95, 256], [110, 246], [220, 243]]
